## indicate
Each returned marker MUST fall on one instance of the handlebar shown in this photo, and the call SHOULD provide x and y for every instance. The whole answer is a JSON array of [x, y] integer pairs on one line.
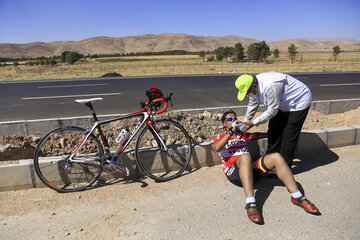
[[151, 105], [165, 105]]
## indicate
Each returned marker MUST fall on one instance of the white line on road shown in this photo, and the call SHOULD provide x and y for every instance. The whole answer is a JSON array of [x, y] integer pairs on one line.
[[339, 84], [69, 96], [78, 85]]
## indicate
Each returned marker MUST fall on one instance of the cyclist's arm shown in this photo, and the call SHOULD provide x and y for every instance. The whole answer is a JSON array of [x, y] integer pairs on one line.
[[220, 144]]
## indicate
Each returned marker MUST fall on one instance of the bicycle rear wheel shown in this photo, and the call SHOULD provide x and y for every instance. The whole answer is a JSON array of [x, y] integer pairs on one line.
[[52, 164], [163, 164]]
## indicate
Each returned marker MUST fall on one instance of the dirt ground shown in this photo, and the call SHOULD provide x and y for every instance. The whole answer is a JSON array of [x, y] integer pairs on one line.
[[198, 205], [201, 127]]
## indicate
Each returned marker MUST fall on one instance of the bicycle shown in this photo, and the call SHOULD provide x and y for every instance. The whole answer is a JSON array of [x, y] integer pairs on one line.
[[71, 158]]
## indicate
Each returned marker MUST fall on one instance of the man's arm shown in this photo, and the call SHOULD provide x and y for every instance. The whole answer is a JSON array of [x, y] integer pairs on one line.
[[251, 109], [273, 97]]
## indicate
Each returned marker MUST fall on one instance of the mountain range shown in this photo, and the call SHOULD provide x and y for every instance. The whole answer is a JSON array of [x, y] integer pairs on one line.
[[159, 42]]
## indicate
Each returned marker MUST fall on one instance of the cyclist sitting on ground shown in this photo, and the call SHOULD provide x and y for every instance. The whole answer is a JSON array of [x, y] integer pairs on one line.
[[238, 166]]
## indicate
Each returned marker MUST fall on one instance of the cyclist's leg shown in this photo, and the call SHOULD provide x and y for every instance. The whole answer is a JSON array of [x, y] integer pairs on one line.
[[275, 160], [244, 163]]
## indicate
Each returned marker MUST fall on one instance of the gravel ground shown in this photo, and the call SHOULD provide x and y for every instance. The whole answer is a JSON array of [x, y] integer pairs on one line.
[[201, 127], [198, 205]]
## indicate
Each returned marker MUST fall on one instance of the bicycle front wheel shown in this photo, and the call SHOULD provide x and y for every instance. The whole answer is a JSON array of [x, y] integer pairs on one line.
[[54, 167], [165, 153]]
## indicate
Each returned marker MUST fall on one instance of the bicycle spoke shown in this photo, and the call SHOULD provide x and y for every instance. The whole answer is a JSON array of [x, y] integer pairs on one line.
[[156, 163], [52, 162]]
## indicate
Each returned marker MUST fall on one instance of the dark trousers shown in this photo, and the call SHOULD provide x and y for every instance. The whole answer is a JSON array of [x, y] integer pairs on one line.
[[284, 131]]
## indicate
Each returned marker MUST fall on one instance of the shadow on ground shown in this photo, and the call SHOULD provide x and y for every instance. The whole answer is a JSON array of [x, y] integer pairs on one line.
[[311, 154]]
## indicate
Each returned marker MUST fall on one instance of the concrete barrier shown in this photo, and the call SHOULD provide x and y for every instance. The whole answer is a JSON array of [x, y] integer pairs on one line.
[[341, 136], [42, 126], [23, 176]]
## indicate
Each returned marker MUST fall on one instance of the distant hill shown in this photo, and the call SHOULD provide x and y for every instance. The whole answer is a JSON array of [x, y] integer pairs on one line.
[[156, 43], [306, 45]]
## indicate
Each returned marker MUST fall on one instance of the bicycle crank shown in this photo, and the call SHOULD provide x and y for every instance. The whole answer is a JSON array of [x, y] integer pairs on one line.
[[113, 164]]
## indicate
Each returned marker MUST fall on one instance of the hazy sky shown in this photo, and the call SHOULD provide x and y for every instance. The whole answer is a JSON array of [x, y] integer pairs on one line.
[[23, 21]]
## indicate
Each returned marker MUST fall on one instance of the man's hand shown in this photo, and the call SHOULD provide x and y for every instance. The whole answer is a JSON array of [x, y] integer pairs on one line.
[[248, 125], [238, 126]]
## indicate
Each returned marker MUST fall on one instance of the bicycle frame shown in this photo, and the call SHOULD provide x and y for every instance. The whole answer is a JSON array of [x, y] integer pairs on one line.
[[72, 158], [145, 117]]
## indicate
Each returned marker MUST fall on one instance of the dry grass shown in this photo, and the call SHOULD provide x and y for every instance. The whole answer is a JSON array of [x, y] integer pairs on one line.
[[184, 64]]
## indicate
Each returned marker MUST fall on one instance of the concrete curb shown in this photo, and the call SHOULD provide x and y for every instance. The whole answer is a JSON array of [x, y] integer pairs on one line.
[[42, 126], [23, 176]]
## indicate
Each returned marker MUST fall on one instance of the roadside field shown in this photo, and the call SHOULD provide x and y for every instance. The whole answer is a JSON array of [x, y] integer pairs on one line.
[[183, 64]]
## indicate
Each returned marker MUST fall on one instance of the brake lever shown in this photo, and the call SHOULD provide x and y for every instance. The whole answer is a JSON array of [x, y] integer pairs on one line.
[[169, 97]]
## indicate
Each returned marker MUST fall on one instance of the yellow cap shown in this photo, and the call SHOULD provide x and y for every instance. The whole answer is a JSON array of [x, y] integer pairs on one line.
[[243, 83]]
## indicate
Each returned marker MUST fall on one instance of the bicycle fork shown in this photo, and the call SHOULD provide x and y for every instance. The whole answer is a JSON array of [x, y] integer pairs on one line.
[[158, 138]]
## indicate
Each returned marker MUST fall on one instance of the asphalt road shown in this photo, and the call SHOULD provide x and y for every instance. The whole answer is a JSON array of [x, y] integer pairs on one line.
[[26, 100]]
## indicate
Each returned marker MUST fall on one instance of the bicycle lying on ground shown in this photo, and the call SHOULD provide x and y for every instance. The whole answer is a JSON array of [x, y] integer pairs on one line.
[[70, 158]]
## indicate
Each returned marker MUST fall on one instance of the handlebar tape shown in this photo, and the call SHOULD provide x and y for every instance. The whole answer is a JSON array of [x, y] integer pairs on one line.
[[165, 105]]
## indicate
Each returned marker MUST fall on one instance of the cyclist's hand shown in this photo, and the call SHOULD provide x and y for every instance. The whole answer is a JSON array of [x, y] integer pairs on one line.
[[234, 127]]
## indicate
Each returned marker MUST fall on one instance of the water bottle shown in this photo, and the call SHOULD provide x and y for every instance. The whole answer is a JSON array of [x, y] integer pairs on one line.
[[243, 128], [122, 136]]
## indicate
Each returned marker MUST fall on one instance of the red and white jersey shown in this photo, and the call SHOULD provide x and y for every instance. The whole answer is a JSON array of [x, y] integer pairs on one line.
[[233, 149]]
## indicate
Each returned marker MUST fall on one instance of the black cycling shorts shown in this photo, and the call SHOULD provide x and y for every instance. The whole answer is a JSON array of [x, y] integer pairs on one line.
[[259, 170]]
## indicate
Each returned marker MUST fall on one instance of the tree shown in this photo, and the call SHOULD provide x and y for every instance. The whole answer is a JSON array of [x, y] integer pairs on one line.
[[63, 56], [228, 52], [202, 54], [220, 53], [70, 57], [258, 52], [210, 58], [239, 52], [292, 51], [336, 51], [276, 53], [52, 62]]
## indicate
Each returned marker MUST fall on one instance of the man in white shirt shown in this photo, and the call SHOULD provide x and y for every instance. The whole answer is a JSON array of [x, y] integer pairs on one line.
[[287, 100]]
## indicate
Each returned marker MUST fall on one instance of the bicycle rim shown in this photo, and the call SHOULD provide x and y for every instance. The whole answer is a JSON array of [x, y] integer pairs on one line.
[[160, 164], [52, 164]]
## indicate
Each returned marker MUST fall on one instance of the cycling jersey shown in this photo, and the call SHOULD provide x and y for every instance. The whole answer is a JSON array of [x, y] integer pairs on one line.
[[233, 148]]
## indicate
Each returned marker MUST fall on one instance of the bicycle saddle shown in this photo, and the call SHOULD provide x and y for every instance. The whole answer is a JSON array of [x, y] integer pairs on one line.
[[88, 100]]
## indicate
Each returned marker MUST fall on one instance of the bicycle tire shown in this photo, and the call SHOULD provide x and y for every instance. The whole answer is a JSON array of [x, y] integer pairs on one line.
[[56, 171], [158, 164]]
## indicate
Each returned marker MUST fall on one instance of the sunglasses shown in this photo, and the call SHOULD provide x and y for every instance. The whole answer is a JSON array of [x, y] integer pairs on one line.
[[230, 119]]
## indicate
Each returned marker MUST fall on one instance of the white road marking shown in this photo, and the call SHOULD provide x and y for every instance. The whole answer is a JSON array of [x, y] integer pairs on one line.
[[78, 85], [69, 96], [339, 84]]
